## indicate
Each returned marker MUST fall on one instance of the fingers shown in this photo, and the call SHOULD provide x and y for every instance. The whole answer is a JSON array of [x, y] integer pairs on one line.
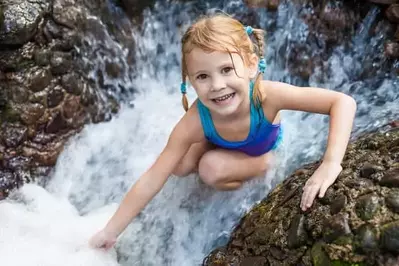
[[323, 190], [309, 193]]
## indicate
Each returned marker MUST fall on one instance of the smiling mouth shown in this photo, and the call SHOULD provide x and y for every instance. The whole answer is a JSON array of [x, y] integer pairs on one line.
[[223, 98]]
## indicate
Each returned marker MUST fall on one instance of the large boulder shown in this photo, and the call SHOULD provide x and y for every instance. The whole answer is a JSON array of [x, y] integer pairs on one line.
[[46, 92], [356, 223]]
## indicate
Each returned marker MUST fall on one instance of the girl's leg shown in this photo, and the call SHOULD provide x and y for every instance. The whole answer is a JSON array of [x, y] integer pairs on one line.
[[227, 170], [189, 163]]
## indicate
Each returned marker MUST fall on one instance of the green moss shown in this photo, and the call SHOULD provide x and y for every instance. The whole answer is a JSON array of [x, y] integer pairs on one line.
[[9, 114], [319, 256]]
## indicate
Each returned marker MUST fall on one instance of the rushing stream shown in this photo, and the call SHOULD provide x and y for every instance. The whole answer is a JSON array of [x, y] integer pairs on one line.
[[186, 219]]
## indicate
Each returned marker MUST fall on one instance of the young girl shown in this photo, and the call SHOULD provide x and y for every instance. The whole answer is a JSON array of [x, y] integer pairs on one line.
[[229, 133]]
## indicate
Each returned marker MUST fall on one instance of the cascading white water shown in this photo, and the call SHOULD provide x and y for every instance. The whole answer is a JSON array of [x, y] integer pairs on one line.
[[186, 219]]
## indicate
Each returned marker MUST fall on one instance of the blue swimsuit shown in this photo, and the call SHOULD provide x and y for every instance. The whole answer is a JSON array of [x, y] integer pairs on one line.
[[263, 136]]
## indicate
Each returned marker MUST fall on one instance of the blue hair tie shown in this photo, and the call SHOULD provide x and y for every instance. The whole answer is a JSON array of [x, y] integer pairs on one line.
[[249, 30], [183, 87], [262, 64]]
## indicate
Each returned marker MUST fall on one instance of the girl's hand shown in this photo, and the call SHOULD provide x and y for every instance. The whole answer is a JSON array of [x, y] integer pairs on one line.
[[103, 239], [319, 182]]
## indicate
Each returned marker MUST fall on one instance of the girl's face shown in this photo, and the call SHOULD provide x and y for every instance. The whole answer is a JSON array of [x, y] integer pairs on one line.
[[220, 80]]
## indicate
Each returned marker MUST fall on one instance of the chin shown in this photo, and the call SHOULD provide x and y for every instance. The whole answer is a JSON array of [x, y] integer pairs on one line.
[[227, 108]]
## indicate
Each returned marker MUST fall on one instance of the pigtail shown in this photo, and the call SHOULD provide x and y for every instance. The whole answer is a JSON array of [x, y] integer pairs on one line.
[[183, 87], [259, 35]]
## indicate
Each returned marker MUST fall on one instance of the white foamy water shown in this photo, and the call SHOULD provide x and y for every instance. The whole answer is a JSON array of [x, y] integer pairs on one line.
[[186, 219]]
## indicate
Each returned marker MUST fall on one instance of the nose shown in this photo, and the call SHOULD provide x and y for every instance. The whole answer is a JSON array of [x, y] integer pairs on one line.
[[218, 83]]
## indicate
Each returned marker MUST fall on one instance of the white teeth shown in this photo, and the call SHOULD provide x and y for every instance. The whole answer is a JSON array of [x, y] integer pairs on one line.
[[223, 98]]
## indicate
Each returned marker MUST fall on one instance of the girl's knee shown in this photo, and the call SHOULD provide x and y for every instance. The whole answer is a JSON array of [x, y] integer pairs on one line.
[[211, 168]]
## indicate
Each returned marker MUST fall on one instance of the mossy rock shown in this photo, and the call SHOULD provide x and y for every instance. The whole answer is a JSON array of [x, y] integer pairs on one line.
[[361, 231]]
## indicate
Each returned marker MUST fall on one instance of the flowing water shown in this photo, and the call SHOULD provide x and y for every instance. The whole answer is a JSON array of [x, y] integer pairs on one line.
[[51, 226]]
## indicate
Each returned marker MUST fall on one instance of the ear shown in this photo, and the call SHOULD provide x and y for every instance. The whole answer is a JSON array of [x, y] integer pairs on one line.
[[253, 65]]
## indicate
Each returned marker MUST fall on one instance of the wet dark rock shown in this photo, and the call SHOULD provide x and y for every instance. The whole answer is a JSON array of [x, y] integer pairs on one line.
[[42, 57], [72, 84], [392, 13], [113, 69], [384, 2], [369, 169], [135, 7], [297, 235], [39, 79], [367, 206], [30, 113], [67, 13], [392, 49], [20, 20], [335, 227], [55, 97], [14, 134], [19, 94], [391, 178], [56, 124], [366, 239], [390, 237], [254, 261], [392, 201], [351, 228], [338, 204], [60, 63]]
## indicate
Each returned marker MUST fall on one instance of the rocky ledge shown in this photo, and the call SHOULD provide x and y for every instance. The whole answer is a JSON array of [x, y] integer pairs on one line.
[[356, 223], [46, 92]]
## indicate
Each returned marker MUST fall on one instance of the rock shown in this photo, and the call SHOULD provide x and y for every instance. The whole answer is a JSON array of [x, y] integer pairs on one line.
[[71, 106], [14, 134], [30, 113], [392, 201], [390, 237], [72, 84], [384, 2], [391, 178], [135, 7], [366, 239], [39, 79], [67, 13], [369, 169], [20, 20], [19, 94], [367, 206], [60, 63], [269, 4], [392, 49], [338, 204], [392, 13], [319, 257], [297, 235], [357, 225], [55, 97], [335, 227], [56, 124], [254, 261]]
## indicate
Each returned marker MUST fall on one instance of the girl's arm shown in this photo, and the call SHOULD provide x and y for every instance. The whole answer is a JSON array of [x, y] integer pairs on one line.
[[341, 109], [151, 182]]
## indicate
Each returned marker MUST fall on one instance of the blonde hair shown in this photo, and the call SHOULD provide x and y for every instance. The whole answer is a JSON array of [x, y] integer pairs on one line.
[[225, 34]]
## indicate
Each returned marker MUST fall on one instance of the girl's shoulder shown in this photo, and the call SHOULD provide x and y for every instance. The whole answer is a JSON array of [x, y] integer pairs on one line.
[[190, 126]]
